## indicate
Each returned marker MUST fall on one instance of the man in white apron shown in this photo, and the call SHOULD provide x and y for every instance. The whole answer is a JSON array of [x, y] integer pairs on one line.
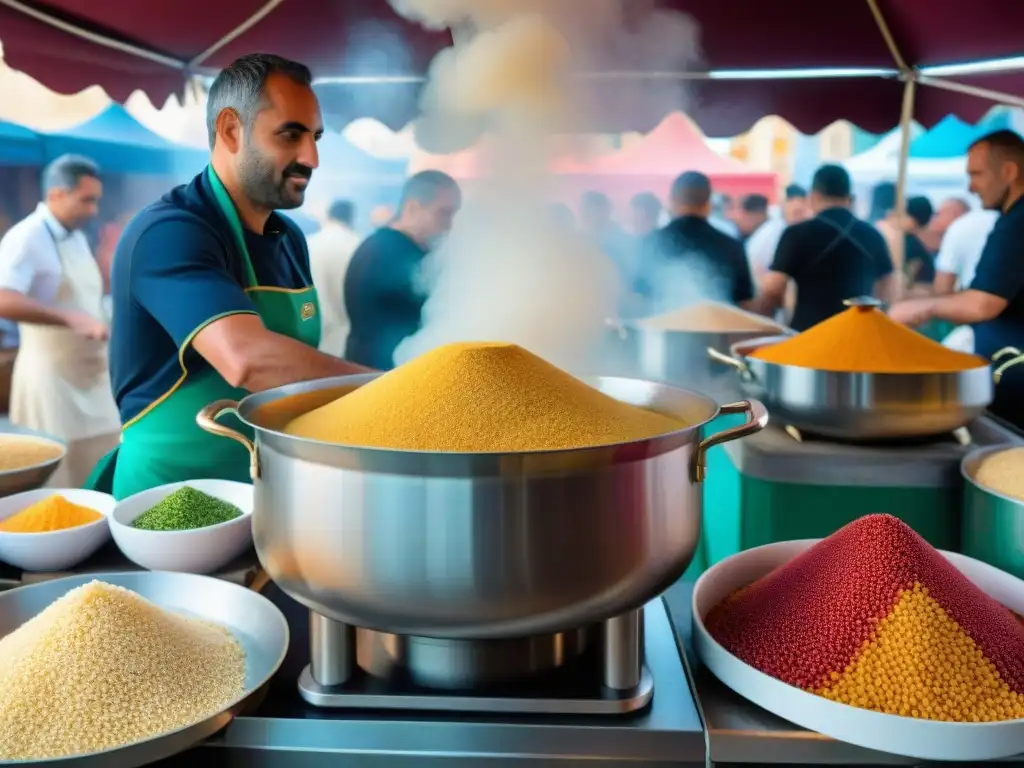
[[50, 284]]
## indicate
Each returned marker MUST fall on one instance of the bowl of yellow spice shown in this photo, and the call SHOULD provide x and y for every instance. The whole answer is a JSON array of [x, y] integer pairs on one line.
[[53, 529], [477, 491], [861, 376], [193, 527]]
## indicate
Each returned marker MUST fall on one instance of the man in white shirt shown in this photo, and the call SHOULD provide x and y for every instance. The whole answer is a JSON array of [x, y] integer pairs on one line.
[[330, 251], [957, 261], [50, 284]]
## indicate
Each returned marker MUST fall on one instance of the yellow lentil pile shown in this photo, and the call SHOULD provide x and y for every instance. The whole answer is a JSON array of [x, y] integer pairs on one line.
[[919, 643], [478, 398], [874, 617], [21, 451], [710, 317], [102, 667], [1003, 472], [54, 513]]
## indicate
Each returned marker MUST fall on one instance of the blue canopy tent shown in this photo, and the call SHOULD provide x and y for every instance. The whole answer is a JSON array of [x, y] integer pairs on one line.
[[347, 172], [951, 136], [340, 157], [118, 143], [19, 145]]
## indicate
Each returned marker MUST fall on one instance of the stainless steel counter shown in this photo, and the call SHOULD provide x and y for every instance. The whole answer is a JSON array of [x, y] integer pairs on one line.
[[741, 733], [285, 732], [773, 455]]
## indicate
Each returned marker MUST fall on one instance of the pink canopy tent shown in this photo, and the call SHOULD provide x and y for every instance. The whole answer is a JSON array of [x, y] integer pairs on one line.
[[652, 164]]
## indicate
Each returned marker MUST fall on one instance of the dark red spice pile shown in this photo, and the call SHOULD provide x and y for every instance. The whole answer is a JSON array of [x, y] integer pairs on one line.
[[811, 616]]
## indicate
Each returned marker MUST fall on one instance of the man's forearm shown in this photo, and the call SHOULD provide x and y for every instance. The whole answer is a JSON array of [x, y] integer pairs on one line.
[[273, 360], [21, 309]]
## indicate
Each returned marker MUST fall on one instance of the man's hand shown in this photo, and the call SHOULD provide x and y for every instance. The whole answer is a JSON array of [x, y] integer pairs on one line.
[[912, 312], [86, 326]]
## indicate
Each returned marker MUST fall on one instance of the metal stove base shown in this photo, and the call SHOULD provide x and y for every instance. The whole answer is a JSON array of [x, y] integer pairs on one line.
[[354, 696]]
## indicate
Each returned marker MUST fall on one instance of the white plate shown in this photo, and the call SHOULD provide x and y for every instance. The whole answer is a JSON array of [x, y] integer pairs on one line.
[[54, 550], [922, 739], [200, 550]]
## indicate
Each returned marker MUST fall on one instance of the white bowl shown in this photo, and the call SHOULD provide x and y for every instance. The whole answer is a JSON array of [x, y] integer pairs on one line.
[[54, 550], [921, 739], [200, 550]]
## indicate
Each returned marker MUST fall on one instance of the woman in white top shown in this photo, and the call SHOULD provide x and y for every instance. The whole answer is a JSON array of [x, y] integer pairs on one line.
[[330, 251]]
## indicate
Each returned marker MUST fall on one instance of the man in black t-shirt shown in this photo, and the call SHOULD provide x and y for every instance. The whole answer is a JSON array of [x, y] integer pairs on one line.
[[712, 264], [833, 257], [918, 261], [994, 304], [383, 291]]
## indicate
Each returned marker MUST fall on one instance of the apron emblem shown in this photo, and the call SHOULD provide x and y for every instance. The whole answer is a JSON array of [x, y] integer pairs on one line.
[[308, 310]]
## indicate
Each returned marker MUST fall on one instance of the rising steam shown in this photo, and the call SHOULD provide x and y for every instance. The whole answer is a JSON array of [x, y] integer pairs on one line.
[[507, 272]]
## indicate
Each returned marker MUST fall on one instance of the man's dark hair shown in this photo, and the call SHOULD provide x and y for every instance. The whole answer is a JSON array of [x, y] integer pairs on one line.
[[1005, 144], [832, 181], [754, 204], [647, 202], [342, 211], [425, 186], [692, 188], [594, 199], [795, 192], [239, 86], [920, 209], [883, 200], [67, 171]]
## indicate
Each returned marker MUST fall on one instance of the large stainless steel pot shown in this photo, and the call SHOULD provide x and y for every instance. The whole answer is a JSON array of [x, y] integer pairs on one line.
[[993, 524], [676, 357], [860, 406], [476, 546]]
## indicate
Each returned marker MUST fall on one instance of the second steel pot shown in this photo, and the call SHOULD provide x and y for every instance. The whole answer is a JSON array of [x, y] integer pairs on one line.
[[860, 406], [676, 357], [476, 546]]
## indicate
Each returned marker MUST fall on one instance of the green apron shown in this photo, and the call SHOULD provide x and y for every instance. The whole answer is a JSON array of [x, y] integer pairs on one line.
[[164, 444]]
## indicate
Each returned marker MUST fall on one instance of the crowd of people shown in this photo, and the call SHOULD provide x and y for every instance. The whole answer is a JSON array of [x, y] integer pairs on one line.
[[212, 293]]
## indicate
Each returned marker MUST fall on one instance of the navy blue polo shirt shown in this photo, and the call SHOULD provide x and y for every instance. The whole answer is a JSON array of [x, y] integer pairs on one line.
[[833, 257], [383, 297], [176, 268], [1001, 273]]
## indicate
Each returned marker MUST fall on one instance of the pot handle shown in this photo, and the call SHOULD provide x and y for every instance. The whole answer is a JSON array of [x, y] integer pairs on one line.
[[207, 421], [1017, 359], [740, 365], [757, 419]]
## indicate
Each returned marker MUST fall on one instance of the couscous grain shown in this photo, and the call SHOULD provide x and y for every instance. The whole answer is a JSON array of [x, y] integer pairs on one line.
[[1003, 472], [479, 398], [102, 667]]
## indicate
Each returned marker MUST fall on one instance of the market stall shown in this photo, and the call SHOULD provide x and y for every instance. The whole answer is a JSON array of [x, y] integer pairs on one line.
[[444, 600]]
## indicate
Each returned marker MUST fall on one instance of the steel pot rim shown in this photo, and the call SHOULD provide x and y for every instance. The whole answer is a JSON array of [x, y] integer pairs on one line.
[[757, 419], [739, 358]]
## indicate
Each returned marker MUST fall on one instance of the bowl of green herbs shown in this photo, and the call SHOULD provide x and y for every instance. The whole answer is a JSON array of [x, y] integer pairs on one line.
[[193, 527]]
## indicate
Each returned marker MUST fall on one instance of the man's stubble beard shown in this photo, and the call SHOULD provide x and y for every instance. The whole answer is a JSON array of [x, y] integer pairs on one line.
[[262, 183]]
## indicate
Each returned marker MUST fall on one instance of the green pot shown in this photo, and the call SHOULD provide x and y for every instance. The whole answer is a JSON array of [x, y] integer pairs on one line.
[[993, 524]]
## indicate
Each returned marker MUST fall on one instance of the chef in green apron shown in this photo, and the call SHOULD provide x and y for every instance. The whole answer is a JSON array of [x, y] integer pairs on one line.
[[212, 294]]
